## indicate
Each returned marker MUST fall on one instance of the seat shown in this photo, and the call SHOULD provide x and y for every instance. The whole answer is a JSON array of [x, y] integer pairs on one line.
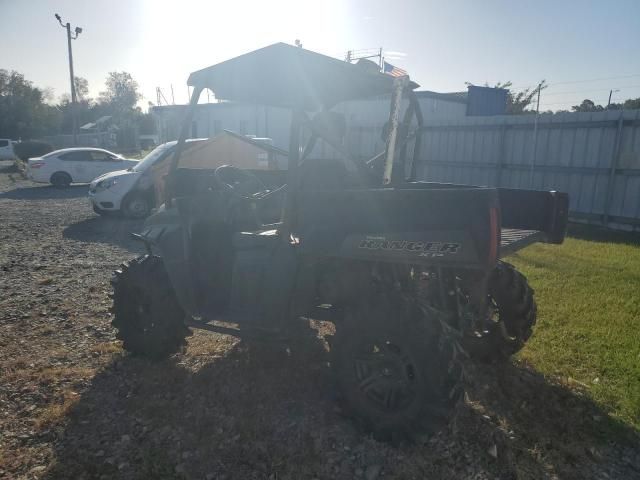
[[323, 174]]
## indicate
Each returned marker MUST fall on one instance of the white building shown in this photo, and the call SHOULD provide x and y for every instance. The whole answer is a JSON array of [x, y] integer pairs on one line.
[[271, 122]]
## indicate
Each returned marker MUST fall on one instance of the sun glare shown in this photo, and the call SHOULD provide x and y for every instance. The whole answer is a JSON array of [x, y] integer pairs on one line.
[[197, 33]]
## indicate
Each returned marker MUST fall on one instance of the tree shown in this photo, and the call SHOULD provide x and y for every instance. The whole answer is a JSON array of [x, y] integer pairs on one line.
[[23, 111], [82, 89], [84, 106], [587, 106], [147, 124], [122, 92], [119, 100], [518, 102]]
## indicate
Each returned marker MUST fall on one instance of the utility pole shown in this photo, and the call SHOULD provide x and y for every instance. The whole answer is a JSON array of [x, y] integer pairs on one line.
[[611, 93], [535, 137], [74, 110]]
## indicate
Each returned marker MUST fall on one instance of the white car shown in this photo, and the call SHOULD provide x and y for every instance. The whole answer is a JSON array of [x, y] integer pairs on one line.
[[130, 191], [75, 165], [6, 149]]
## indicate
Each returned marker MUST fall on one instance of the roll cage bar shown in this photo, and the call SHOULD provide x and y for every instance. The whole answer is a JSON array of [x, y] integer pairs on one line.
[[310, 87]]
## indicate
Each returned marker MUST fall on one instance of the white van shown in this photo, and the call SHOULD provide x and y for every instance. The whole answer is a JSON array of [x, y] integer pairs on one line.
[[6, 149]]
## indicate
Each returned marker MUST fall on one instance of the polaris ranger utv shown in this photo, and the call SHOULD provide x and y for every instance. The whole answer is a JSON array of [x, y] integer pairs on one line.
[[408, 271]]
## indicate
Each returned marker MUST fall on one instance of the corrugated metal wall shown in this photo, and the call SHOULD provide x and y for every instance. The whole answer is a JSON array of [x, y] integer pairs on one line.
[[272, 122], [375, 112], [595, 157]]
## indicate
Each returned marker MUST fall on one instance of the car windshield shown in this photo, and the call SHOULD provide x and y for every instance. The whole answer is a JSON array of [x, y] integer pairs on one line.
[[152, 156]]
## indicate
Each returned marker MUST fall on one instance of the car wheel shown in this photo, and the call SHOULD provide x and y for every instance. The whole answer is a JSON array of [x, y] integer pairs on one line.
[[136, 206], [60, 179], [98, 210]]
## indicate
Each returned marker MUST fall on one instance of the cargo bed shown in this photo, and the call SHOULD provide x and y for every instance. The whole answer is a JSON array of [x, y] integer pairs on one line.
[[514, 239]]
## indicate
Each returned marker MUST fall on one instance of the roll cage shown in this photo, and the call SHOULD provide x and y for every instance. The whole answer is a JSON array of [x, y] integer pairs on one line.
[[310, 85]]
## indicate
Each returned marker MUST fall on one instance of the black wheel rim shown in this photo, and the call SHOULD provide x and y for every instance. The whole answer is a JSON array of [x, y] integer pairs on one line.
[[386, 375], [498, 324]]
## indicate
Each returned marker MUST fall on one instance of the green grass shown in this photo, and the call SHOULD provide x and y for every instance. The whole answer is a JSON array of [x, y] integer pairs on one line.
[[588, 294]]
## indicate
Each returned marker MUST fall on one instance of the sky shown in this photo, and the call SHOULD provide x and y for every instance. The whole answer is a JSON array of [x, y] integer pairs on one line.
[[582, 48]]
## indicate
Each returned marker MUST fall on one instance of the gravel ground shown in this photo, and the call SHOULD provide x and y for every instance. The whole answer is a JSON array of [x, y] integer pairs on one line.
[[73, 405]]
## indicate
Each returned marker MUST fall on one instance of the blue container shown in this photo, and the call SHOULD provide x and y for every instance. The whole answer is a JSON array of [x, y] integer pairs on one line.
[[486, 101]]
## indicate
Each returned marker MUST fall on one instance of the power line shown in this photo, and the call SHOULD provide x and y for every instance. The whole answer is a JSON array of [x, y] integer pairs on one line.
[[596, 100], [590, 90], [598, 79], [580, 81], [575, 97], [572, 102]]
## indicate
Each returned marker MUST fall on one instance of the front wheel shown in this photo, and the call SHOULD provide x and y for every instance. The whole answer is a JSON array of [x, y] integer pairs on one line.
[[396, 371], [136, 206], [98, 210], [146, 312]]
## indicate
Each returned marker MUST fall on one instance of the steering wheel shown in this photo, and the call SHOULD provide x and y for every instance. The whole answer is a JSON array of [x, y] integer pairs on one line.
[[240, 183]]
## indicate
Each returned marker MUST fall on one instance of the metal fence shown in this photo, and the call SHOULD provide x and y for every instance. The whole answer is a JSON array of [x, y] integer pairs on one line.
[[595, 157]]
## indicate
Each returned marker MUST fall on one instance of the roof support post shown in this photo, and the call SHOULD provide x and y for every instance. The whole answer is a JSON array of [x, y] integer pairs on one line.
[[184, 133], [297, 117], [417, 148], [399, 84]]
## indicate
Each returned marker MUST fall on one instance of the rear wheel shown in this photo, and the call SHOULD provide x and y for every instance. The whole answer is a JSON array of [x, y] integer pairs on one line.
[[149, 319], [514, 315], [396, 372], [60, 179]]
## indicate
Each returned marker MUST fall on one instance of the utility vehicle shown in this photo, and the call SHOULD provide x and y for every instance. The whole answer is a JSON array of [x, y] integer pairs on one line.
[[408, 271]]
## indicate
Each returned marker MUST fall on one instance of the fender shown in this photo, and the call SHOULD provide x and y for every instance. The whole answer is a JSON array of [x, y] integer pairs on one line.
[[164, 232]]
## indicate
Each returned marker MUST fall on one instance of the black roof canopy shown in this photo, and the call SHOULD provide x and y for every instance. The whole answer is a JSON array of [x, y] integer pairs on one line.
[[286, 76]]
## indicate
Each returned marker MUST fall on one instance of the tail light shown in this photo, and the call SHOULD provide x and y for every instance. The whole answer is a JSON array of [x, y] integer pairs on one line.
[[494, 234], [36, 164]]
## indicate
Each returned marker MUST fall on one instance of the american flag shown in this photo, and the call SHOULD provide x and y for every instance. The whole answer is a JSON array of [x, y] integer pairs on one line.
[[393, 71]]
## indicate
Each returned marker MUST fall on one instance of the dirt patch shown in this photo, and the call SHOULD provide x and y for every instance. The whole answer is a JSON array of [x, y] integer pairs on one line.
[[72, 405]]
